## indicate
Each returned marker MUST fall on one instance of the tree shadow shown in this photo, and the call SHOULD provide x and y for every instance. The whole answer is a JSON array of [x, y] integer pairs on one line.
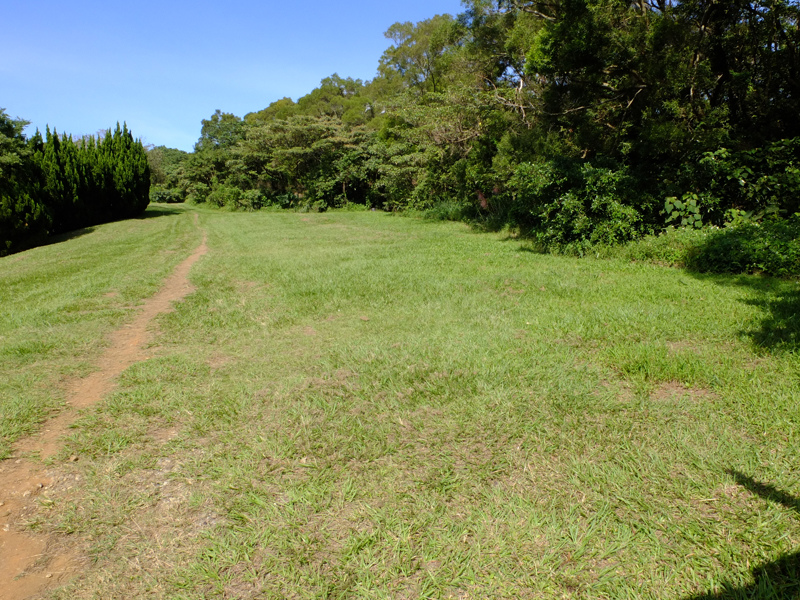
[[776, 580], [780, 327], [765, 490], [772, 246], [779, 300], [62, 237], [154, 211], [151, 212]]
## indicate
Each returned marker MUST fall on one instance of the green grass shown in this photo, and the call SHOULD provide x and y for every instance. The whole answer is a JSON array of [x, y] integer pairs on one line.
[[57, 303], [356, 405]]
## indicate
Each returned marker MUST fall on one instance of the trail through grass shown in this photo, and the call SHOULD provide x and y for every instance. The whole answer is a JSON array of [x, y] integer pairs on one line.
[[58, 301], [367, 406]]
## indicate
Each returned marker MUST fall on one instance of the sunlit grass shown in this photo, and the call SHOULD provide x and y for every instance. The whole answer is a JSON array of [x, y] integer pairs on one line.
[[58, 301], [366, 406]]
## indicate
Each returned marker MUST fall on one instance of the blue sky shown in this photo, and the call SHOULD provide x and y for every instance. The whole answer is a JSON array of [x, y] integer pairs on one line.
[[81, 66]]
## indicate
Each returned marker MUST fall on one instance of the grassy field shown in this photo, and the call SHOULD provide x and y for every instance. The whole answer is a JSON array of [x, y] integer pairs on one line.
[[57, 303], [358, 405]]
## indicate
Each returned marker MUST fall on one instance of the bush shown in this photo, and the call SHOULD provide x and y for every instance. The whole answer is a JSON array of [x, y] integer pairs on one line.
[[55, 184], [288, 200], [165, 195], [197, 193], [234, 198], [750, 180], [771, 247], [570, 205], [445, 211], [23, 222]]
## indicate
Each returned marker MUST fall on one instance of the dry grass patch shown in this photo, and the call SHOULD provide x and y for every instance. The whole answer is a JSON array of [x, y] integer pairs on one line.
[[674, 391]]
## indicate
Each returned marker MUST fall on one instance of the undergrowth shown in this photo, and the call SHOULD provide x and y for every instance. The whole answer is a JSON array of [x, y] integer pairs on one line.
[[771, 247]]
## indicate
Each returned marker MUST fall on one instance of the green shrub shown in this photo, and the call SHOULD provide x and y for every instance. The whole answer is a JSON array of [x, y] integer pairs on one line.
[[23, 222], [234, 198], [197, 193], [771, 247], [752, 180], [287, 200], [447, 210], [669, 248], [572, 205], [685, 211], [250, 200], [165, 195], [354, 207]]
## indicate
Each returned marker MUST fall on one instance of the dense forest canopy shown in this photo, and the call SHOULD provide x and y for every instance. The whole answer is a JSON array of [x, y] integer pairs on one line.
[[576, 121]]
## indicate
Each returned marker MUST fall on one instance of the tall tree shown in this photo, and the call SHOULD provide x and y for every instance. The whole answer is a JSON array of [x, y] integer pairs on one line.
[[421, 53], [222, 130]]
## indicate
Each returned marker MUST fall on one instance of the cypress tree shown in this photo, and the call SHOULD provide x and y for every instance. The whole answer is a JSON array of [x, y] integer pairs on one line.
[[64, 185]]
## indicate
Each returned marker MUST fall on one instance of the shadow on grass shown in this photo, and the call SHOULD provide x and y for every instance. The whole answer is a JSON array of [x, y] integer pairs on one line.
[[776, 580], [159, 210], [63, 237], [766, 491], [779, 300], [780, 327], [771, 247], [150, 213]]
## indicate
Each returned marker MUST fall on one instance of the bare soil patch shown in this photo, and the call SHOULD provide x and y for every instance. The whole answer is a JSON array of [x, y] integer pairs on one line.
[[31, 563], [677, 347], [217, 361], [675, 391]]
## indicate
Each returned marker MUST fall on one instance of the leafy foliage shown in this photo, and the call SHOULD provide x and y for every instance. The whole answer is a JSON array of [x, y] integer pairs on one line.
[[685, 211], [771, 247], [567, 204], [578, 122], [22, 217], [165, 174], [54, 184]]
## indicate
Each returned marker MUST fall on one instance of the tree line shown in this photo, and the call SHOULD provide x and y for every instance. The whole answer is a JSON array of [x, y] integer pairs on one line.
[[579, 122], [52, 184]]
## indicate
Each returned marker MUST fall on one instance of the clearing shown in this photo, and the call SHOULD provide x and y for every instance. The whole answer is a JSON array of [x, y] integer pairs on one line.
[[359, 405]]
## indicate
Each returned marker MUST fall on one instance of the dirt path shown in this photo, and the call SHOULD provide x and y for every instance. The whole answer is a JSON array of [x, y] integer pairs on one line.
[[29, 563]]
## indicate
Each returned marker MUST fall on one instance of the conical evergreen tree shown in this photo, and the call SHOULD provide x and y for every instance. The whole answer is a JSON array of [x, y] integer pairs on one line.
[[70, 184]]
